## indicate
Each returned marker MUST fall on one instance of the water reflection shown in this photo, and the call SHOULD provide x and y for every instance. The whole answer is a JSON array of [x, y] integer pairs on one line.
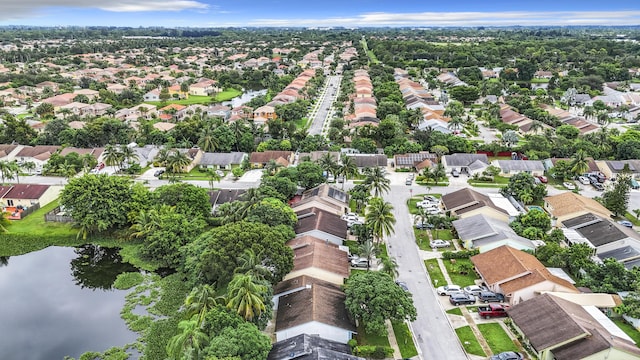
[[4, 261], [45, 315], [244, 98], [97, 267]]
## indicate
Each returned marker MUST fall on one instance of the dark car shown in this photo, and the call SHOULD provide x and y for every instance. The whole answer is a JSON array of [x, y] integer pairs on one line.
[[402, 285], [490, 296], [158, 173], [462, 298], [597, 186], [509, 355]]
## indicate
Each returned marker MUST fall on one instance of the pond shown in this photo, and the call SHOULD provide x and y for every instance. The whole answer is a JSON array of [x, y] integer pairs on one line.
[[244, 98], [59, 301]]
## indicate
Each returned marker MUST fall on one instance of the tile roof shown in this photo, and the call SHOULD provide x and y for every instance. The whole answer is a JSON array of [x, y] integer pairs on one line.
[[264, 157], [25, 191]]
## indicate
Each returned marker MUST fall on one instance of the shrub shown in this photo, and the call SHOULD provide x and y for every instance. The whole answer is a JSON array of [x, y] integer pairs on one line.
[[462, 254], [373, 352]]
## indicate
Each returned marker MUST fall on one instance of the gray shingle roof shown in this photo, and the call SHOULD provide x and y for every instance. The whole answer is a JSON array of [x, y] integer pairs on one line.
[[222, 159], [460, 160], [520, 165]]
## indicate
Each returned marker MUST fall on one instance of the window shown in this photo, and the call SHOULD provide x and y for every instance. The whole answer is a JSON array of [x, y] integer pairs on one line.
[[9, 202]]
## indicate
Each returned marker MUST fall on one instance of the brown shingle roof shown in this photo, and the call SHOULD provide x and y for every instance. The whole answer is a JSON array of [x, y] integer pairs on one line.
[[311, 252], [465, 200], [319, 303], [300, 282], [265, 156], [569, 203], [25, 191], [317, 219], [33, 151]]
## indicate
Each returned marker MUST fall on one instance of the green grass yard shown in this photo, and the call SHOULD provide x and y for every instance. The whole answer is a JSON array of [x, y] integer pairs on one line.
[[457, 278], [442, 234], [370, 339], [498, 340], [227, 95], [628, 329], [455, 311], [404, 339], [422, 239], [437, 279], [202, 100], [469, 341]]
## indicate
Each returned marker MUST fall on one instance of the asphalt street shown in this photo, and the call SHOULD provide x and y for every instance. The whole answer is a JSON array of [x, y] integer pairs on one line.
[[328, 95]]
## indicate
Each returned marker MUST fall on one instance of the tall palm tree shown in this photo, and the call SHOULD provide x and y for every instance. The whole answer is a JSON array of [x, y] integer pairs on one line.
[[189, 343], [177, 161], [390, 267], [147, 221], [208, 142], [200, 300], [213, 176], [112, 155], [245, 296], [272, 167], [14, 169], [126, 155], [588, 112], [536, 126], [162, 156], [368, 250], [377, 181], [379, 215], [328, 163], [348, 168], [5, 171], [29, 166], [456, 123], [439, 172], [67, 170], [579, 163]]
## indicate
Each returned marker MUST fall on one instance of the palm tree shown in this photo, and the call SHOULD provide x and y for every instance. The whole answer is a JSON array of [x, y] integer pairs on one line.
[[272, 167], [208, 141], [67, 170], [5, 171], [328, 163], [188, 343], [455, 123], [147, 221], [579, 163], [245, 296], [127, 154], [368, 250], [248, 264], [29, 166], [588, 112], [200, 300], [177, 161], [390, 267], [526, 197], [439, 172], [377, 181], [536, 126], [112, 155], [348, 168], [603, 118], [379, 216], [162, 156], [14, 169], [213, 176]]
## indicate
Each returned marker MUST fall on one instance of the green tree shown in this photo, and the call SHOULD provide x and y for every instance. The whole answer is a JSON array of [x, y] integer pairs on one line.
[[373, 297], [379, 215], [112, 155], [348, 168], [244, 342], [200, 300], [177, 161], [524, 183], [272, 212], [328, 163], [465, 94], [188, 343], [187, 199], [579, 163], [616, 198], [246, 296]]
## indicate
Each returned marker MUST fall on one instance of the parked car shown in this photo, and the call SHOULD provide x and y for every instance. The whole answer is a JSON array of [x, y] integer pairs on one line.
[[340, 179], [408, 181], [423, 226], [350, 216], [455, 173], [353, 257], [462, 298], [448, 289], [583, 180], [360, 263], [626, 223], [402, 285], [543, 179], [490, 296], [331, 179], [492, 310], [597, 186], [437, 243], [158, 173], [431, 199], [509, 355], [474, 289], [569, 185], [352, 223], [426, 204]]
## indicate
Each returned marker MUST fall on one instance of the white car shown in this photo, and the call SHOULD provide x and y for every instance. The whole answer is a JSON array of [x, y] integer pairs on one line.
[[584, 180], [569, 185], [350, 217], [448, 290], [474, 290], [437, 243], [427, 204]]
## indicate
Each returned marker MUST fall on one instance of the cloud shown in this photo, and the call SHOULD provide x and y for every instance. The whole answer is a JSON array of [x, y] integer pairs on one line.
[[505, 18], [17, 9]]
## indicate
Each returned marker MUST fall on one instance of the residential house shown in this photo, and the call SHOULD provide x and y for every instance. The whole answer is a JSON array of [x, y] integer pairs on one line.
[[18, 197], [92, 95], [221, 111], [153, 95], [558, 329], [117, 88], [468, 202], [364, 161], [219, 197], [517, 274], [260, 159], [568, 205], [321, 224], [325, 197], [509, 168], [551, 162], [194, 154], [39, 154], [164, 126], [319, 310], [486, 233], [265, 112], [318, 258], [145, 154], [9, 151], [413, 161], [466, 163], [205, 87], [613, 168], [59, 100], [606, 238], [225, 161], [310, 347]]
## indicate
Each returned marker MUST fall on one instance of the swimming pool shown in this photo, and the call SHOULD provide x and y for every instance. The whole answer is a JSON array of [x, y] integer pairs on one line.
[[535, 207]]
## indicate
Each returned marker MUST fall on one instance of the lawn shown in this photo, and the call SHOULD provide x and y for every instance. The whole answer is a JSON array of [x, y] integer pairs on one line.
[[432, 184], [227, 95], [629, 330], [498, 340], [437, 279], [404, 339], [195, 174], [202, 100], [632, 218], [455, 311], [443, 234], [422, 239], [497, 181], [469, 341], [370, 339], [457, 278]]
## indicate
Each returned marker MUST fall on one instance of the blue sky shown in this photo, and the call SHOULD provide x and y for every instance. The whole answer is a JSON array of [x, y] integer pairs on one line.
[[347, 13]]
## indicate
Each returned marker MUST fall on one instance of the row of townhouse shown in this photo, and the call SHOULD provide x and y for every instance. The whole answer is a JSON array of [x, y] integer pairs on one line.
[[291, 93], [364, 103], [415, 96]]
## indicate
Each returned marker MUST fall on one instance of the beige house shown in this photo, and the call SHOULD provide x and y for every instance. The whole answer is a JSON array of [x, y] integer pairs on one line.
[[517, 274], [325, 197], [27, 195], [204, 88], [569, 205], [467, 202]]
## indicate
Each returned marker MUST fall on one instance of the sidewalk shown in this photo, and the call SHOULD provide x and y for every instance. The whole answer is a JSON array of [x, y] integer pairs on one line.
[[393, 342]]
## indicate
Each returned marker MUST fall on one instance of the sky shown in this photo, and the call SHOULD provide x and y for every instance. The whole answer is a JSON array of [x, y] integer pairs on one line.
[[325, 13]]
